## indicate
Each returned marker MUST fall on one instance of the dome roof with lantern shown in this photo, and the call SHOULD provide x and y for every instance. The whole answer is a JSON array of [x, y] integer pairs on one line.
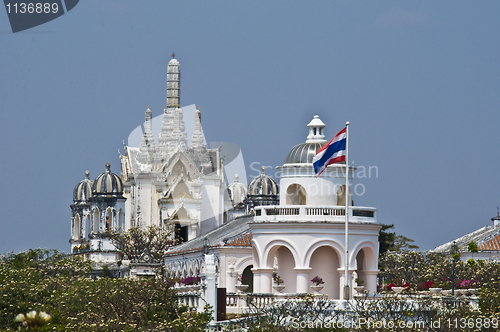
[[107, 184], [83, 190], [237, 191], [263, 185], [304, 153]]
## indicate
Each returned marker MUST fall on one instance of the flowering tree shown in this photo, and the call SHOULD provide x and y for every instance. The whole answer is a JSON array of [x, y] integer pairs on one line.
[[153, 240], [48, 281]]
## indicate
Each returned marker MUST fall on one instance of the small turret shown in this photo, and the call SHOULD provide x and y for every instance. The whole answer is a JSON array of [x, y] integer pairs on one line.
[[316, 134], [496, 220]]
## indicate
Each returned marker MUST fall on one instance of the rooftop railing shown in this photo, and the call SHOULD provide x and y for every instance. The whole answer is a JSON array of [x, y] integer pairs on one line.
[[309, 213]]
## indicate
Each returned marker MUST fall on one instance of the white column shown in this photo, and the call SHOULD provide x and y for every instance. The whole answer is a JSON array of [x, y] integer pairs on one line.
[[231, 280], [371, 281], [256, 280], [302, 279], [209, 277], [342, 282], [266, 280]]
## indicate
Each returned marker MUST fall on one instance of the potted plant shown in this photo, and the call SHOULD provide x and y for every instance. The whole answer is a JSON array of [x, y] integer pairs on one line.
[[434, 287], [398, 289], [360, 288], [317, 281], [470, 286], [279, 282], [191, 282], [241, 286]]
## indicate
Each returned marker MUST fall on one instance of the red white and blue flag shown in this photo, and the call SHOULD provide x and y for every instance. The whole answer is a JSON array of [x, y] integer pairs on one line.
[[333, 152]]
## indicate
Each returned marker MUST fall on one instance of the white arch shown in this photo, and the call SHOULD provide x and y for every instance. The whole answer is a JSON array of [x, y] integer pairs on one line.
[[339, 250], [76, 227], [87, 225], [271, 249], [370, 256], [96, 216], [119, 226], [296, 194], [243, 263], [257, 253]]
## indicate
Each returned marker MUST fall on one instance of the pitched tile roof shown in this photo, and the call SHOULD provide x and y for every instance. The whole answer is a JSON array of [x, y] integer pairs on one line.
[[484, 238], [233, 233], [491, 245], [242, 241]]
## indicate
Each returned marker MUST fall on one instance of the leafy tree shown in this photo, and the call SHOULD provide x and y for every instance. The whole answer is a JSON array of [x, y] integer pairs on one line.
[[386, 239], [403, 243], [389, 241], [32, 280], [472, 248], [48, 281], [154, 240]]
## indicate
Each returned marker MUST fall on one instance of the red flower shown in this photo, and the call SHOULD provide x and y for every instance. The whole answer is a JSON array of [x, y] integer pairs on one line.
[[428, 284]]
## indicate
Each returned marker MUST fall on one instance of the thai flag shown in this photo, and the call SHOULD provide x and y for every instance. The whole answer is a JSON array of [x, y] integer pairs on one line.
[[333, 152]]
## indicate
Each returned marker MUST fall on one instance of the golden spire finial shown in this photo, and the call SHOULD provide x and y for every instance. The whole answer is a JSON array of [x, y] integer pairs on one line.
[[173, 54], [198, 107], [148, 106]]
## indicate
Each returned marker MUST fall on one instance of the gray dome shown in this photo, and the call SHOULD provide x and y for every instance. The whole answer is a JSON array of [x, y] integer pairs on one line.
[[83, 190], [303, 153], [263, 185], [107, 184]]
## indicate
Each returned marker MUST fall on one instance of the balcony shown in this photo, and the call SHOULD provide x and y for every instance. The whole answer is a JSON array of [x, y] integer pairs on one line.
[[312, 213]]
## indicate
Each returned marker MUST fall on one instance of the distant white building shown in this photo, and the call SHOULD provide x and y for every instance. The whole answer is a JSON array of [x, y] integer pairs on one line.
[[487, 239], [298, 237], [256, 232], [168, 182]]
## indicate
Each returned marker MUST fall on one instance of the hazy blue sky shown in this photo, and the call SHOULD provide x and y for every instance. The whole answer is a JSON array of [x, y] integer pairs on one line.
[[418, 80]]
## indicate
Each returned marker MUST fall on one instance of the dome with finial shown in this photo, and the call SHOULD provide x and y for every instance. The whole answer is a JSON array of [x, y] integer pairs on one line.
[[237, 191], [304, 153], [173, 61], [263, 185], [107, 184], [83, 190]]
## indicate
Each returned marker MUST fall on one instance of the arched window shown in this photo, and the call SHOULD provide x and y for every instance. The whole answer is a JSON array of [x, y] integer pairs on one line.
[[86, 224], [341, 196], [95, 227], [109, 219], [77, 226], [296, 195], [121, 221], [248, 275], [181, 233]]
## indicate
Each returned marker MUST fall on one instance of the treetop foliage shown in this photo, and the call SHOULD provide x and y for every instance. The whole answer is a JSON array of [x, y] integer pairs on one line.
[[48, 281], [135, 242]]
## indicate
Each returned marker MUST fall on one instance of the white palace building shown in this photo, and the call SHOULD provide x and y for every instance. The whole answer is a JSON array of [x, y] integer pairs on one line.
[[294, 229]]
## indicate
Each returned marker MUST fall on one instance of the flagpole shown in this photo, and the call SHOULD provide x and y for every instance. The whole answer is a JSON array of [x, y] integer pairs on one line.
[[346, 275]]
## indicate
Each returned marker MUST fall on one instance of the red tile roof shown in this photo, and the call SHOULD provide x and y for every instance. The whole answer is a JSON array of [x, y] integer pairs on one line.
[[244, 241], [491, 245]]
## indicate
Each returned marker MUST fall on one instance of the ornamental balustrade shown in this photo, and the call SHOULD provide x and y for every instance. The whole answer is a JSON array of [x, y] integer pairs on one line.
[[314, 213]]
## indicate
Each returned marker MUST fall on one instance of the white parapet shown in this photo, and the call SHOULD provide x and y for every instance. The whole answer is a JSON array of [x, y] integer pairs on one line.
[[312, 213]]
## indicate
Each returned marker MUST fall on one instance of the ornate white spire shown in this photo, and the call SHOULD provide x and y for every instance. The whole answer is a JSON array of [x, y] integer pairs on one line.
[[172, 128], [316, 134], [173, 83], [148, 139], [197, 140], [178, 138]]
